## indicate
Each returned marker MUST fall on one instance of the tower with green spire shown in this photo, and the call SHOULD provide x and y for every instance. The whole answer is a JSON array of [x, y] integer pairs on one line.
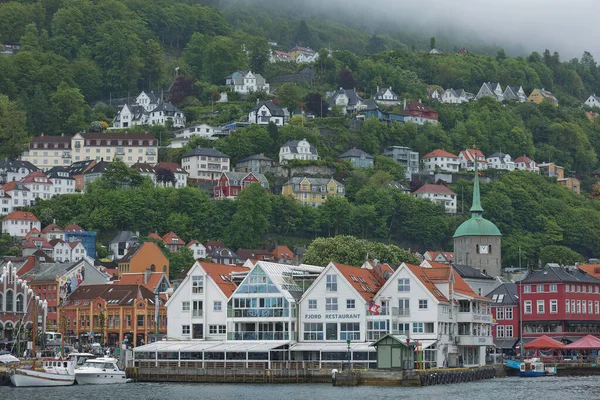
[[477, 241]]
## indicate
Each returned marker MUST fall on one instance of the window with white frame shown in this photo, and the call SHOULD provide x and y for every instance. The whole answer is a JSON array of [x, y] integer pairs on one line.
[[350, 331], [553, 306], [540, 306], [573, 307], [539, 288], [417, 327], [499, 313], [377, 329], [404, 307], [217, 306], [500, 331], [313, 331], [331, 285], [583, 307], [404, 285], [567, 306], [222, 329], [197, 284], [508, 332], [312, 304], [553, 288], [508, 313], [578, 306], [185, 306], [590, 307], [527, 289], [185, 330], [422, 304], [527, 304], [331, 304], [350, 304], [597, 307]]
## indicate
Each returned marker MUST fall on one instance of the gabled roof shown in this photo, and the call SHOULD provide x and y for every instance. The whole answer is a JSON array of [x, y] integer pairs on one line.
[[74, 227], [54, 242], [240, 176], [275, 110], [35, 231], [437, 189], [524, 159], [74, 244], [124, 295], [560, 274], [416, 106], [167, 108], [440, 153], [353, 97], [143, 168], [254, 254], [296, 180], [497, 155], [14, 185], [354, 152], [171, 166], [154, 235], [381, 92], [591, 269], [363, 280], [221, 276], [293, 145], [205, 151], [36, 242], [30, 178], [21, 216], [282, 253], [422, 275], [168, 239], [505, 295], [98, 168], [16, 165], [137, 278], [78, 167], [124, 237], [59, 172]]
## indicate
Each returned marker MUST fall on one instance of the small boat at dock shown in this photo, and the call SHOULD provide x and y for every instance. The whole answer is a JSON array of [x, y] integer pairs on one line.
[[52, 372]]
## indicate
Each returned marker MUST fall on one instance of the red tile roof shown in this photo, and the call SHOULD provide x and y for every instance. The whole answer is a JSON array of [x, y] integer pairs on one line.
[[363, 280], [36, 174], [34, 242], [423, 276], [133, 278], [192, 242], [220, 274], [21, 216], [171, 166], [431, 188], [440, 153], [168, 239], [51, 227], [32, 232], [470, 154], [74, 227], [417, 106], [283, 252], [591, 269], [154, 235]]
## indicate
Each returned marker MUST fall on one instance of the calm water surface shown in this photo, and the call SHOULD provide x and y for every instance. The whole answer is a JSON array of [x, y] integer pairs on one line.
[[551, 388]]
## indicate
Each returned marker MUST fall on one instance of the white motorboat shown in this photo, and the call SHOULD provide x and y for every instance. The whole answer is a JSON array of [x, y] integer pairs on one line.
[[53, 372], [80, 358], [100, 371]]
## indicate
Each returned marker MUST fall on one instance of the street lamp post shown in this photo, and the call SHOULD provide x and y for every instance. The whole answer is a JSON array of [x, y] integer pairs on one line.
[[349, 364]]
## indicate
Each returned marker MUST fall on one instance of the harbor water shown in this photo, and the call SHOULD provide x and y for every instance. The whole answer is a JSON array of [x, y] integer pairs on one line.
[[549, 388]]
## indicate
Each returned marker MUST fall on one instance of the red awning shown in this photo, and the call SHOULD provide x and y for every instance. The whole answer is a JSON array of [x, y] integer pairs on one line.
[[586, 342], [543, 343]]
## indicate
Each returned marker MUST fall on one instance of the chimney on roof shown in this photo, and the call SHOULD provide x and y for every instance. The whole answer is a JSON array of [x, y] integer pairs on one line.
[[404, 104]]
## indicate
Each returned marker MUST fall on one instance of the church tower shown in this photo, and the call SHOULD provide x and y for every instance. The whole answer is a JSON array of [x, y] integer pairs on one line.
[[477, 241]]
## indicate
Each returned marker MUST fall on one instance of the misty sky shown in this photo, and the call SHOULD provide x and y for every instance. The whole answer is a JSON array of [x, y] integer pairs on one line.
[[566, 26]]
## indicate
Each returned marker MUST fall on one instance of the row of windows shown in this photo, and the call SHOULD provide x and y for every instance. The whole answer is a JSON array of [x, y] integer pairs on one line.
[[186, 306], [504, 331], [582, 307], [504, 313], [553, 288]]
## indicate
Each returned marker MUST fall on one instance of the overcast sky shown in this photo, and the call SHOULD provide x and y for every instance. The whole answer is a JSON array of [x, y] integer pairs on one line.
[[566, 26]]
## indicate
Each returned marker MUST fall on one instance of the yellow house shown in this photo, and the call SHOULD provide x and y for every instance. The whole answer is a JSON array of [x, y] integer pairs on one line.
[[312, 191], [146, 256], [572, 184], [540, 95], [552, 170]]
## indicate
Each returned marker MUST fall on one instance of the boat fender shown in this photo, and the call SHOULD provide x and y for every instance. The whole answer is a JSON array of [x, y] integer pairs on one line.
[[494, 374], [422, 380], [438, 379], [443, 379], [430, 380]]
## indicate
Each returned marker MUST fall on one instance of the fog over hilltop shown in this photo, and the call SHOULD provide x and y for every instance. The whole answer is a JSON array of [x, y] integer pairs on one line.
[[569, 27]]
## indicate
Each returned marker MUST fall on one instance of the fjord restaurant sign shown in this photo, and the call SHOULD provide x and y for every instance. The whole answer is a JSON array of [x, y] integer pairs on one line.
[[331, 316]]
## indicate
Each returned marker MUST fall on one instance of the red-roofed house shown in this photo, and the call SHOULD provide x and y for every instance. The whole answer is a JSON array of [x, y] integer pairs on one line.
[[179, 173], [173, 242], [436, 307], [283, 254], [156, 282], [154, 235], [467, 159], [419, 113], [441, 161], [439, 194], [40, 186], [74, 228], [525, 163], [198, 308], [32, 244], [19, 223], [53, 231]]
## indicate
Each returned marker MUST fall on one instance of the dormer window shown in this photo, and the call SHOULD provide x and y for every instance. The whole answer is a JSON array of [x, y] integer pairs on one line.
[[130, 142], [140, 142]]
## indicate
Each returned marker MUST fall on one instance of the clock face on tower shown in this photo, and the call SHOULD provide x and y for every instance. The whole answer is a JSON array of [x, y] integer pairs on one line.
[[484, 249]]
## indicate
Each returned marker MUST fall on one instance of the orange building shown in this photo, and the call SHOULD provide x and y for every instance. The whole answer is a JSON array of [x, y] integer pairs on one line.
[[111, 313], [146, 256]]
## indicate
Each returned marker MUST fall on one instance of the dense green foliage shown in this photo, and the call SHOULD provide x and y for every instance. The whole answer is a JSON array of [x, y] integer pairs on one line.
[[352, 251]]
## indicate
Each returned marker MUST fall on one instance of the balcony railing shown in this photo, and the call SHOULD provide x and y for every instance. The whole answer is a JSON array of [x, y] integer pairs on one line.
[[252, 335]]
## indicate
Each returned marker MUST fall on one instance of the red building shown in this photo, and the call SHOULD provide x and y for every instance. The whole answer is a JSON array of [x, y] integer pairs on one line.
[[419, 111], [230, 184], [563, 303], [505, 311]]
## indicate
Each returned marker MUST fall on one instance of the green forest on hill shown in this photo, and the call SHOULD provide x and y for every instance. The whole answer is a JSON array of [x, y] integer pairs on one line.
[[74, 53]]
